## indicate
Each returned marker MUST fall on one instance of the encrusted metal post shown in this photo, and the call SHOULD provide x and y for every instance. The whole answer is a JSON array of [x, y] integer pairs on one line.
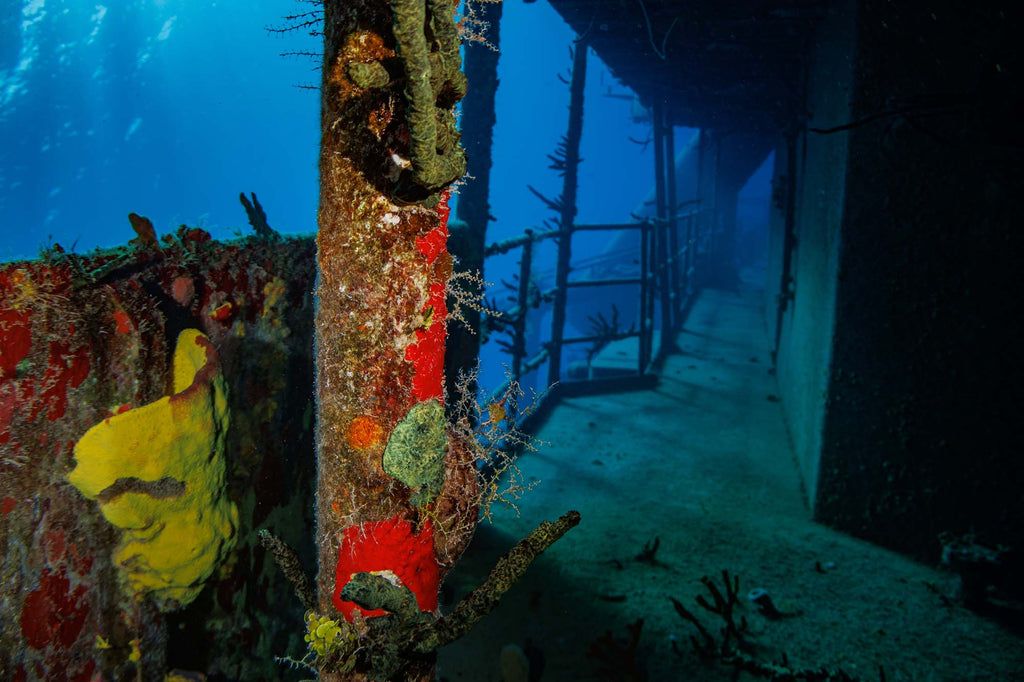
[[389, 148], [567, 216], [398, 493]]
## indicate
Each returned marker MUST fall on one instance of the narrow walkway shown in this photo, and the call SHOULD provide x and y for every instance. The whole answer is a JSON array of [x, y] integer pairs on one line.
[[702, 468]]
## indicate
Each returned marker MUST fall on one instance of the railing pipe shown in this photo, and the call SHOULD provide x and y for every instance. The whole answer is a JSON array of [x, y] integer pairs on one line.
[[506, 245], [602, 282], [600, 337], [594, 227]]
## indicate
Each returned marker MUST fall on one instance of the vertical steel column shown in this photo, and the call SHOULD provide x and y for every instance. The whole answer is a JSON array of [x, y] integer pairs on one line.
[[703, 204], [689, 259], [644, 340], [519, 324], [468, 234], [568, 212], [661, 229], [673, 227], [713, 216], [707, 184]]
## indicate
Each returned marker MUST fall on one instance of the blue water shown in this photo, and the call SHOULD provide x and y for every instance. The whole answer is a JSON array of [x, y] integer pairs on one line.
[[167, 108], [170, 109]]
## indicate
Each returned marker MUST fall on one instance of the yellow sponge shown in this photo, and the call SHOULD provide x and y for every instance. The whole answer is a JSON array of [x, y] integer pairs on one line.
[[157, 472]]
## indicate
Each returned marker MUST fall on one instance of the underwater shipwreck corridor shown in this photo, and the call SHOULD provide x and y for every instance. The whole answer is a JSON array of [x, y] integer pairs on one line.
[[673, 486], [688, 352]]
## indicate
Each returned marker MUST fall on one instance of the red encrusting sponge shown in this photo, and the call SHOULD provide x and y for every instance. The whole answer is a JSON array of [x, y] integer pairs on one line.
[[388, 545]]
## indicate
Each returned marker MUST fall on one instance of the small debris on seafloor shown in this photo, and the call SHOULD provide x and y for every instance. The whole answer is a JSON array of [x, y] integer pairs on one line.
[[761, 598], [647, 554]]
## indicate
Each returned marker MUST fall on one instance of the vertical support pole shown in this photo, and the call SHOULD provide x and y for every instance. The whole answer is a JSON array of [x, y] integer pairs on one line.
[[477, 125], [519, 325], [469, 232], [704, 245], [661, 230], [691, 252], [644, 340], [383, 266], [674, 266], [714, 215], [568, 212], [703, 205]]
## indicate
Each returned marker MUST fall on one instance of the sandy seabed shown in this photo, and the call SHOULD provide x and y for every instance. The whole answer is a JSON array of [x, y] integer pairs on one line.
[[703, 466]]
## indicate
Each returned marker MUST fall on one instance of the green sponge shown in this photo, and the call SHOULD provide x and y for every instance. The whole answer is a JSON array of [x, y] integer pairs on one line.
[[416, 449]]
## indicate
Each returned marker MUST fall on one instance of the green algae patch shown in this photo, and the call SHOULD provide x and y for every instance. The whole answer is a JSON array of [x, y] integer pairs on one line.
[[416, 449]]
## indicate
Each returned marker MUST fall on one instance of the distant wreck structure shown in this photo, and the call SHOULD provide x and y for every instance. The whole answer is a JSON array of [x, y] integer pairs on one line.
[[896, 193], [178, 381]]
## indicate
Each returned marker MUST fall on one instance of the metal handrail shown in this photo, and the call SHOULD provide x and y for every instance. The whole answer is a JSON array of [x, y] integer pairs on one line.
[[680, 263], [667, 259]]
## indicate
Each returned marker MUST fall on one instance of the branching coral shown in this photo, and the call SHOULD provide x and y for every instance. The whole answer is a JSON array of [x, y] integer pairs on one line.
[[493, 434], [258, 218], [382, 646], [723, 606], [733, 648]]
